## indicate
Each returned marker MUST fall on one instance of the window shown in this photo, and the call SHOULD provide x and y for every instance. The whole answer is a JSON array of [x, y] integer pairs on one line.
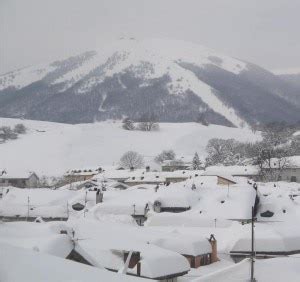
[[293, 179]]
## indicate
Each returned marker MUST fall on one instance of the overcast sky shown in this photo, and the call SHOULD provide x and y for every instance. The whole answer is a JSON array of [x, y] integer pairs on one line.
[[265, 32]]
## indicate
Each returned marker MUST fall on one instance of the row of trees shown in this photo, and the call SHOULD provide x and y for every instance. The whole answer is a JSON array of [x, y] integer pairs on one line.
[[133, 159], [147, 122], [277, 144], [8, 133]]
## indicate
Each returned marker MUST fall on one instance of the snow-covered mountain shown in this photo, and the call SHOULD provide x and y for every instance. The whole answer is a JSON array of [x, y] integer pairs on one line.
[[173, 79]]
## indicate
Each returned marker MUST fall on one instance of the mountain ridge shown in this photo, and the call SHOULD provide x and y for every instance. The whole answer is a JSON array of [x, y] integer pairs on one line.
[[174, 79]]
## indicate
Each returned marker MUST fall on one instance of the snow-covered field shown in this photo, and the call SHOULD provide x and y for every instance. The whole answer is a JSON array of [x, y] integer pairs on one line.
[[52, 148]]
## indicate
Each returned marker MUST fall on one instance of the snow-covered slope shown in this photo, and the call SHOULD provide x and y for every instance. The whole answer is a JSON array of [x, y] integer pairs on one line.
[[174, 79], [52, 148]]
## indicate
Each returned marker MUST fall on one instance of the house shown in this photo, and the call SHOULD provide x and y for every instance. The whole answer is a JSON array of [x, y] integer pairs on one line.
[[146, 178], [217, 179], [173, 165], [89, 184], [270, 241], [18, 179], [33, 265], [105, 248], [198, 251], [180, 175], [249, 171], [75, 175], [159, 206], [290, 171]]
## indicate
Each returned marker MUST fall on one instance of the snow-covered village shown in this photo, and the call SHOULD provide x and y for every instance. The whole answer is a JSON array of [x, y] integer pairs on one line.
[[131, 152]]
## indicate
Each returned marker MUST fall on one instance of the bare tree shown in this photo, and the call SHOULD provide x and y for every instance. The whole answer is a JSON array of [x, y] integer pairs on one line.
[[276, 133], [165, 155], [222, 151], [148, 122], [132, 159]]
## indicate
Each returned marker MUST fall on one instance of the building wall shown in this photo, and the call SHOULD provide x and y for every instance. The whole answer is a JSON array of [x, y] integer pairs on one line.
[[75, 178], [200, 260], [175, 179], [32, 182], [223, 181], [290, 174], [173, 167]]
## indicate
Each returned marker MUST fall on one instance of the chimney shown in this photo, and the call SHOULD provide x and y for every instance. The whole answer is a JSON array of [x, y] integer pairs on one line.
[[147, 168], [99, 197], [214, 251]]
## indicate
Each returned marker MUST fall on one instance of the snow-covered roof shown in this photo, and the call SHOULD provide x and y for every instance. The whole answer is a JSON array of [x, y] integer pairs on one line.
[[83, 171], [274, 269], [43, 202], [105, 248], [184, 244], [42, 237], [146, 178], [269, 238], [19, 264], [232, 170]]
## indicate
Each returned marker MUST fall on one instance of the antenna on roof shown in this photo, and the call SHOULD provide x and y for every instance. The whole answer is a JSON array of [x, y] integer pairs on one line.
[[252, 279]]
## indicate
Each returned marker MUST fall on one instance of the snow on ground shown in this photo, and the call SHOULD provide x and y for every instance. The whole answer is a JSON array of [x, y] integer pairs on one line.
[[18, 265], [53, 148]]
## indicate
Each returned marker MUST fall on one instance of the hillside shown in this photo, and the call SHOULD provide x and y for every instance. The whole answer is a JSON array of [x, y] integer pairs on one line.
[[174, 79], [52, 148]]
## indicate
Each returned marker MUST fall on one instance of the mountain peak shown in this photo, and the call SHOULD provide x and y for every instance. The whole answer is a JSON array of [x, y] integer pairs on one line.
[[173, 78]]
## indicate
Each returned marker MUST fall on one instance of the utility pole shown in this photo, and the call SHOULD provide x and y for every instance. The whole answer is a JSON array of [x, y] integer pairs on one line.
[[252, 279], [85, 201], [28, 207], [67, 209]]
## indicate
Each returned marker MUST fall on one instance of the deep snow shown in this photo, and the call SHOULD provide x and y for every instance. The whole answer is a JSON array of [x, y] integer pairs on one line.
[[53, 148]]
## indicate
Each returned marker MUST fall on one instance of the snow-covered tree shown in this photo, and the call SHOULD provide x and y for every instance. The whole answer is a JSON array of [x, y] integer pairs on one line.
[[132, 159], [20, 128], [128, 124], [165, 155], [276, 133], [148, 122], [7, 133], [196, 163]]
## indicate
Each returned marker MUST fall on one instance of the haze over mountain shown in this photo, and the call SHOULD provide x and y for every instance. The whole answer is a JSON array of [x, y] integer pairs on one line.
[[176, 80]]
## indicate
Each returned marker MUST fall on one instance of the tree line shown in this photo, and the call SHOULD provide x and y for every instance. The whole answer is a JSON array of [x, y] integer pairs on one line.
[[278, 143], [146, 122]]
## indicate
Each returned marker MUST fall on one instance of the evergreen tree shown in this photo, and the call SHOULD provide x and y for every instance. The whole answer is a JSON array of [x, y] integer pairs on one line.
[[196, 163]]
